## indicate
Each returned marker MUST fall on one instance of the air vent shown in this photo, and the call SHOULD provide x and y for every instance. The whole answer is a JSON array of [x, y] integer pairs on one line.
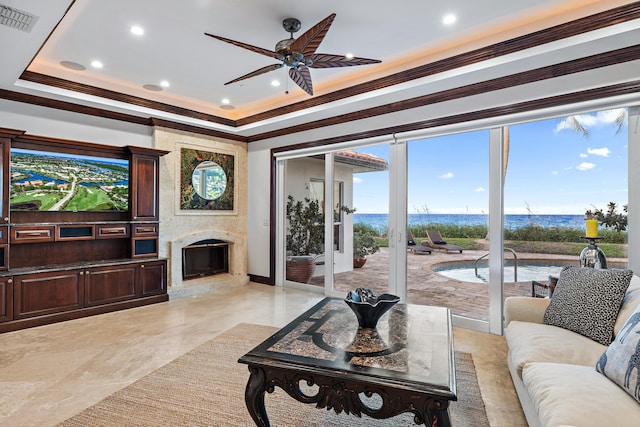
[[15, 18]]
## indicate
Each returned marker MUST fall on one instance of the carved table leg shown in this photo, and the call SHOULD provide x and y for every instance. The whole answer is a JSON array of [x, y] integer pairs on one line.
[[440, 413], [254, 396]]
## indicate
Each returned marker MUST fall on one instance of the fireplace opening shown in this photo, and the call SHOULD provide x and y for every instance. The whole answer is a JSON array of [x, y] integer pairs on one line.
[[205, 258]]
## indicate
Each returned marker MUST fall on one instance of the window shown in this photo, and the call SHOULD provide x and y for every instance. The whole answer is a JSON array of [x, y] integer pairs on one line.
[[316, 192]]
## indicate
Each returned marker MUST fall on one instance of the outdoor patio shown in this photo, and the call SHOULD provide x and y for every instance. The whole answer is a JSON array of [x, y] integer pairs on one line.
[[430, 288]]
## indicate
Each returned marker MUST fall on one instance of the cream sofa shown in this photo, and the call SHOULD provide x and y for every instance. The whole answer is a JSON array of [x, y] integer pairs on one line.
[[553, 369]]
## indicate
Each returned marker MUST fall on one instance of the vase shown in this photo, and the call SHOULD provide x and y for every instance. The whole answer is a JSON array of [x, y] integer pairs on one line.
[[370, 311]]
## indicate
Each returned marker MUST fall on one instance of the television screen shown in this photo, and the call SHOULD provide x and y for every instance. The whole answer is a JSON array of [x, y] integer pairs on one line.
[[48, 181]]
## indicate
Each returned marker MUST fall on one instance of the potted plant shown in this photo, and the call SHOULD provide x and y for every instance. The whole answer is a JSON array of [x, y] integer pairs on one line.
[[305, 236], [363, 244]]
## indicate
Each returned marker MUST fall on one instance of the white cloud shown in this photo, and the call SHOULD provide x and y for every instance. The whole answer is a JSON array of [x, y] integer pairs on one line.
[[554, 172], [601, 118], [357, 180], [585, 166], [583, 155], [447, 175], [479, 190], [604, 151]]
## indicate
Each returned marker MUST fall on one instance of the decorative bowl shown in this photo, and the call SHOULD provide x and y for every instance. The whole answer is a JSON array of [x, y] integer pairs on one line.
[[369, 307]]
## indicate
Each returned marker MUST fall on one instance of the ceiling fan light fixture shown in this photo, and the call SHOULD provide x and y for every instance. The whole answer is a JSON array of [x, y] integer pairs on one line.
[[275, 83], [349, 56], [298, 54], [137, 30]]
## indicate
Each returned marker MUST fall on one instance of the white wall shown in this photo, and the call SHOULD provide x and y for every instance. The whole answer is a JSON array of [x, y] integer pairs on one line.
[[53, 123]]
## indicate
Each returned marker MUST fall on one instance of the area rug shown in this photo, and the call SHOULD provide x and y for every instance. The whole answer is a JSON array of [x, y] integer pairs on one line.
[[205, 387]]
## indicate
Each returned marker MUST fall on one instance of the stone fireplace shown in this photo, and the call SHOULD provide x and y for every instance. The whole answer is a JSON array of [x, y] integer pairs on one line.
[[180, 228], [205, 258]]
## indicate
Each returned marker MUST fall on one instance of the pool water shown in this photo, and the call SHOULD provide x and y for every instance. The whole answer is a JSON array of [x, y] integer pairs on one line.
[[527, 271]]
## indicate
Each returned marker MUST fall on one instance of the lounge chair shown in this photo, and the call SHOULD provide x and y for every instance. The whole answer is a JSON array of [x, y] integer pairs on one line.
[[414, 247], [436, 241]]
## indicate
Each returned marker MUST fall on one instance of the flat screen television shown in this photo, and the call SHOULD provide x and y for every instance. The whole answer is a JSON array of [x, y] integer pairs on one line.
[[64, 182]]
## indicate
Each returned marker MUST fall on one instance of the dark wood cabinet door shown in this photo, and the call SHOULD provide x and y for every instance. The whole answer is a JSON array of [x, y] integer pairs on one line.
[[104, 285], [153, 277], [6, 299], [40, 294], [144, 194]]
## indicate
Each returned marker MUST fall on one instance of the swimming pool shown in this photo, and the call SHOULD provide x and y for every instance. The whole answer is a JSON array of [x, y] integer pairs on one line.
[[528, 270]]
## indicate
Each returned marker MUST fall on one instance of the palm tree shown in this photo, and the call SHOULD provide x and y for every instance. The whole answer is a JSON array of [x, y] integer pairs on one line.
[[573, 123]]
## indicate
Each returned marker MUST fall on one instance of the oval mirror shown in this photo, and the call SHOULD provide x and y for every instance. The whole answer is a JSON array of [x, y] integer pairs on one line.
[[209, 180]]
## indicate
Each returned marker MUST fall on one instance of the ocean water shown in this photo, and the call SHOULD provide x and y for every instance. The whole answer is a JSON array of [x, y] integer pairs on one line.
[[380, 221]]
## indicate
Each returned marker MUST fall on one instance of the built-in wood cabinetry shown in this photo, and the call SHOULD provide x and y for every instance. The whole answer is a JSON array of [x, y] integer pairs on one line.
[[57, 266]]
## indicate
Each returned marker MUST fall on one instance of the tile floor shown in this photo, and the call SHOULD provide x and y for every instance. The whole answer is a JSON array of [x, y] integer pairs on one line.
[[49, 373]]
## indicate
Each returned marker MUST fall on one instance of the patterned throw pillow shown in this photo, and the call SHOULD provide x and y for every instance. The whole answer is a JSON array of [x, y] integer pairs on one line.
[[587, 301], [620, 362]]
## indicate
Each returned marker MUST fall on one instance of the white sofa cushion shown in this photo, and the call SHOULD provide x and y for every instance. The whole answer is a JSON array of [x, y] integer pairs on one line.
[[588, 300], [536, 342], [574, 395], [621, 361], [629, 304]]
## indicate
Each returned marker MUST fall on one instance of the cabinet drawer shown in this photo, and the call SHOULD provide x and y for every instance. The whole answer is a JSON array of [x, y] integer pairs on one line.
[[32, 234], [144, 229], [115, 231]]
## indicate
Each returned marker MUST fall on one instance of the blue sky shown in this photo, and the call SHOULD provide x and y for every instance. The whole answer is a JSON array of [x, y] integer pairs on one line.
[[551, 170]]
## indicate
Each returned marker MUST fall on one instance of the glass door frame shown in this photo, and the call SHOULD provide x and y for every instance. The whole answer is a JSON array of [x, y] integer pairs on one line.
[[398, 204]]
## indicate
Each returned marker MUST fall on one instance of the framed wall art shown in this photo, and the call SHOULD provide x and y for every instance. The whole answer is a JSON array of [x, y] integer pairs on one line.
[[207, 180]]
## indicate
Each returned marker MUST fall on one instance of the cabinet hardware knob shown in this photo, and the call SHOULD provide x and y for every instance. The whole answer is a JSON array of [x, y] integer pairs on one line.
[[82, 273], [6, 219], [142, 266], [10, 281]]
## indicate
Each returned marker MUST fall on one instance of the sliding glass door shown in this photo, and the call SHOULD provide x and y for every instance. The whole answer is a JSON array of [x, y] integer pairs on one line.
[[487, 193]]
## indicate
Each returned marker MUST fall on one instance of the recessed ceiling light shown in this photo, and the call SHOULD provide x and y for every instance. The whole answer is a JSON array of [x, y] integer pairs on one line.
[[73, 65], [96, 64], [225, 101], [138, 31], [275, 83], [349, 56], [164, 83], [449, 19], [153, 88]]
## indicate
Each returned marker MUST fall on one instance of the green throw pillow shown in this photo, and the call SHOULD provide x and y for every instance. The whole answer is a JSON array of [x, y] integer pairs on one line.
[[621, 360], [587, 301]]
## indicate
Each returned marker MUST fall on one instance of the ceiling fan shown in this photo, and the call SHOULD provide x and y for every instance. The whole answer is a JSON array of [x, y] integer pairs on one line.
[[299, 54]]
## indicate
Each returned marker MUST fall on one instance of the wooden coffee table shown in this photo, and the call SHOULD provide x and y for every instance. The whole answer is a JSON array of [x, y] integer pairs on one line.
[[407, 363]]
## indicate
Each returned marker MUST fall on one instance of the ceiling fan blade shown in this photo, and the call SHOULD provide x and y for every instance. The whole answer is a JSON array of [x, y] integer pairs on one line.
[[256, 49], [326, 60], [302, 77], [308, 42], [257, 72]]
